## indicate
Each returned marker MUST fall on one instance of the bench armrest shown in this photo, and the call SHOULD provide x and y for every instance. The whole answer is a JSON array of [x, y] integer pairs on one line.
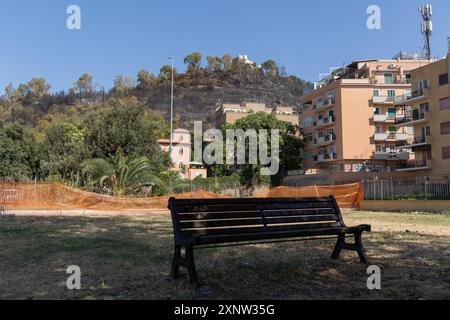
[[358, 229]]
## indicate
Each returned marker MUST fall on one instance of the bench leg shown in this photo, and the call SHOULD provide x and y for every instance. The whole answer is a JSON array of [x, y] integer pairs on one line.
[[357, 246], [360, 248], [339, 247], [191, 265], [176, 263]]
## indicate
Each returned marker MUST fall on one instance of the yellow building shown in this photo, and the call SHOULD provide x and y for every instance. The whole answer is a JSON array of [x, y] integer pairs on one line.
[[350, 119], [229, 113], [428, 113]]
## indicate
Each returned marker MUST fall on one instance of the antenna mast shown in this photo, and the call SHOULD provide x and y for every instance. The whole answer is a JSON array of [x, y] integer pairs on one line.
[[427, 27]]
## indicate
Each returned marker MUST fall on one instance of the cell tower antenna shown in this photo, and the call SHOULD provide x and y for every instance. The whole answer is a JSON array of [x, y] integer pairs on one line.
[[427, 27]]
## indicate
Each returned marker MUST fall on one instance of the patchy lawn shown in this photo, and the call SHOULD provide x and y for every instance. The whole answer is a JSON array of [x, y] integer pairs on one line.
[[129, 258]]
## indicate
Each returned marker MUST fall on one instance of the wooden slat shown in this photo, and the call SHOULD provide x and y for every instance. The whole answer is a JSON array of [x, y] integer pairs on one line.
[[205, 224], [252, 207], [268, 229], [190, 202], [251, 214], [223, 239]]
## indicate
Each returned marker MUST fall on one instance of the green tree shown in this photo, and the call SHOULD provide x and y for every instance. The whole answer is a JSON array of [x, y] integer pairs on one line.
[[122, 176], [270, 68], [130, 130], [227, 61], [19, 153], [123, 85], [63, 151], [85, 86], [145, 80], [193, 61], [291, 148], [166, 72], [214, 64]]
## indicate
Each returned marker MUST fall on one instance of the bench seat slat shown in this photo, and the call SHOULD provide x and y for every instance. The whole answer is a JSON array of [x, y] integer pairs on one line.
[[261, 229], [205, 224], [252, 214], [252, 207], [191, 202], [240, 237]]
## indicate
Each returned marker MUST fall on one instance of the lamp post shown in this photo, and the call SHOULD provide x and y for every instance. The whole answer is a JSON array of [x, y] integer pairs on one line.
[[171, 128]]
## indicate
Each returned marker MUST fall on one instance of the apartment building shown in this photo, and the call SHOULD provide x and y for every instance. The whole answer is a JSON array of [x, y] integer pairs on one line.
[[428, 114], [181, 155], [229, 113], [350, 120]]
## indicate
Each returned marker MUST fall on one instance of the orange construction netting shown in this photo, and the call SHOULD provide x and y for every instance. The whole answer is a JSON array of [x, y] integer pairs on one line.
[[54, 196], [348, 196]]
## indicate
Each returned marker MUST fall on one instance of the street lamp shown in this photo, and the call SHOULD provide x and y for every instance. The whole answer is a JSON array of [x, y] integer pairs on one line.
[[171, 128]]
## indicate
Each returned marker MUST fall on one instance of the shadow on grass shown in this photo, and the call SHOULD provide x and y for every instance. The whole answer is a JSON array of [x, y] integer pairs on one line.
[[130, 257]]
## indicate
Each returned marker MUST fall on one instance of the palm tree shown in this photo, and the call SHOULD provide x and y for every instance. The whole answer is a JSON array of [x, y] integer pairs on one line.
[[121, 176]]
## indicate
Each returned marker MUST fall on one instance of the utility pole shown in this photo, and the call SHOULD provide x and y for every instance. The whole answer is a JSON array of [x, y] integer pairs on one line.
[[171, 129]]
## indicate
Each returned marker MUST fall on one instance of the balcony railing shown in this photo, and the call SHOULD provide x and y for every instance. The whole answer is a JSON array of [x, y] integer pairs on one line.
[[391, 155], [383, 99]]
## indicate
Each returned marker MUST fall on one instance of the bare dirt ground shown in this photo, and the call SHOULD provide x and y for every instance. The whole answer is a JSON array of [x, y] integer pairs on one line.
[[129, 256]]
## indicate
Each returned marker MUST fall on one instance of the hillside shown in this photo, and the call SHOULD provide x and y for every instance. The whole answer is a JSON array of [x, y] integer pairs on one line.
[[197, 92]]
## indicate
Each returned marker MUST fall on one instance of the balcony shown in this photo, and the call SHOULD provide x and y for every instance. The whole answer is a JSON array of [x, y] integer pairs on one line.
[[327, 103], [329, 121], [391, 137], [392, 156], [385, 118], [326, 157], [419, 142], [328, 140], [418, 117], [418, 166], [415, 96], [383, 100]]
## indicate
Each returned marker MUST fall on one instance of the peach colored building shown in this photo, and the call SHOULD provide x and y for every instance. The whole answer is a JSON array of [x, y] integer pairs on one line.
[[428, 108], [228, 113], [181, 155], [350, 120]]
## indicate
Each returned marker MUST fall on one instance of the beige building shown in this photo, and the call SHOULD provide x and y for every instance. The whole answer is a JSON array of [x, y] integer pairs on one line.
[[428, 113], [181, 155], [228, 113], [350, 119]]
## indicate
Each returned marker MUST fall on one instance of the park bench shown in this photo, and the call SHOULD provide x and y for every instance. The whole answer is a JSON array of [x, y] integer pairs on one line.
[[210, 223]]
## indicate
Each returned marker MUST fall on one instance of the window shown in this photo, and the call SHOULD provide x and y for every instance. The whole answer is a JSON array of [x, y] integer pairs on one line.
[[330, 97], [308, 138], [392, 129], [320, 135], [392, 112], [377, 129], [446, 153], [388, 78], [376, 93], [308, 155], [307, 122], [444, 103], [391, 93], [443, 79], [181, 151], [376, 111], [379, 148], [320, 101], [445, 128], [422, 84]]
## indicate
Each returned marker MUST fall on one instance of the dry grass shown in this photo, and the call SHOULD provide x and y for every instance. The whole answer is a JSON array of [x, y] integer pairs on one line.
[[129, 258]]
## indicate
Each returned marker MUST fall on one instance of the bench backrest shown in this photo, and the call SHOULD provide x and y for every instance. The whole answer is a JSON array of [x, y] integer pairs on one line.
[[233, 216]]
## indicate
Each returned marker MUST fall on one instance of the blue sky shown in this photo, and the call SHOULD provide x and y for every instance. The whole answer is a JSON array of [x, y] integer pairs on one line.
[[122, 37]]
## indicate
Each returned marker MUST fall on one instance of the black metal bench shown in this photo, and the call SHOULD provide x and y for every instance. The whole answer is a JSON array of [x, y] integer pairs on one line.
[[200, 224]]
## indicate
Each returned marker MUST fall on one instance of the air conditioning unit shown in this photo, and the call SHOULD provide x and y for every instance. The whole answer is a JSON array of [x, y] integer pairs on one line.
[[392, 66]]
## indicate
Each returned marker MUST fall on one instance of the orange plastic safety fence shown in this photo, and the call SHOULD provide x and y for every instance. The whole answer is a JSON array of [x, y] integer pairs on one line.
[[53, 196], [348, 196]]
